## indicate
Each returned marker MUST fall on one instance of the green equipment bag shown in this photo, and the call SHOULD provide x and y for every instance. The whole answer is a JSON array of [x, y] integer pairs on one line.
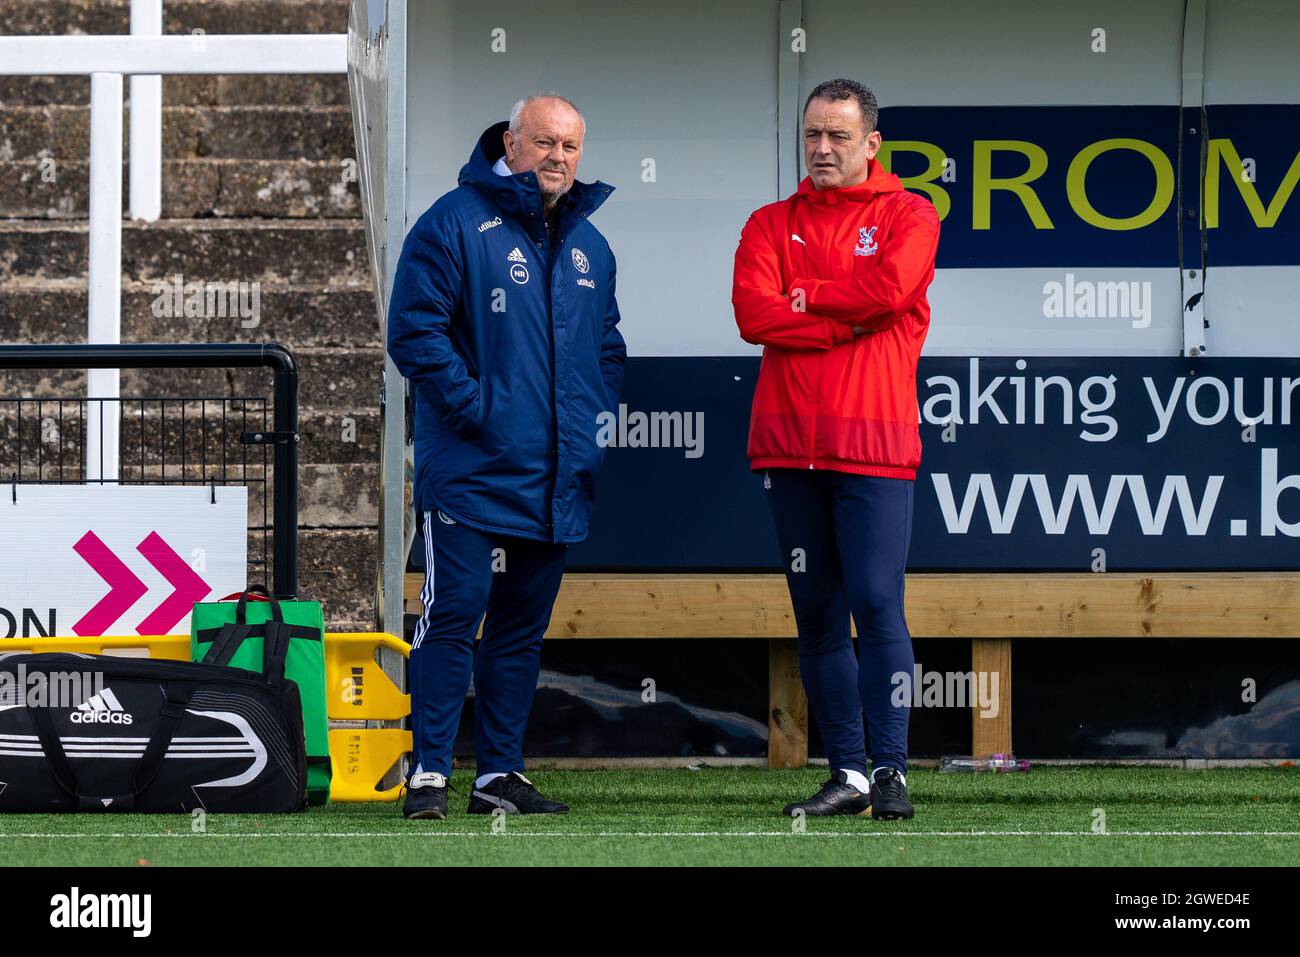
[[281, 640]]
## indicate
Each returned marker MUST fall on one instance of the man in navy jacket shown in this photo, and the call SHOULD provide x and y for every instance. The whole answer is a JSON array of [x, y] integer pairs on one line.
[[504, 320]]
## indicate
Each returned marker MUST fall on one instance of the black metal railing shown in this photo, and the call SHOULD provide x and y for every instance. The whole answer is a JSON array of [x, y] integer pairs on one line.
[[164, 439]]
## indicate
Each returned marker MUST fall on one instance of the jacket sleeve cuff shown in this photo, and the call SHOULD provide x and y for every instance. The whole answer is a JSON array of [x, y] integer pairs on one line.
[[465, 421], [840, 331]]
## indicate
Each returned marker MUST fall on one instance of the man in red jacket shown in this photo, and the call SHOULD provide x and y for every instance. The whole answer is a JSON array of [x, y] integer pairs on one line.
[[832, 283]]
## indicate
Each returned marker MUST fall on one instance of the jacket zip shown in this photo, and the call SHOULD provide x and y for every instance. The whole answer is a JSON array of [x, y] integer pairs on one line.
[[812, 432], [817, 403], [554, 464]]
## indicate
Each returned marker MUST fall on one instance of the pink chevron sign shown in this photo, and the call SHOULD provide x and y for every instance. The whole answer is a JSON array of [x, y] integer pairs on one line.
[[125, 588], [187, 586]]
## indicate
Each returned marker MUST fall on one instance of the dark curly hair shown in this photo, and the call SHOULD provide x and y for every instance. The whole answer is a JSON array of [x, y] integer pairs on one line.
[[841, 89]]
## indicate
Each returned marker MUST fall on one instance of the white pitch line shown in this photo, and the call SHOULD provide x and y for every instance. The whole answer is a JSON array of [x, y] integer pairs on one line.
[[697, 834]]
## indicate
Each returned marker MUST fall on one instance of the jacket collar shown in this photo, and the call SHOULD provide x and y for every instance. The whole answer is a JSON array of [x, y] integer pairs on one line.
[[877, 181], [518, 195]]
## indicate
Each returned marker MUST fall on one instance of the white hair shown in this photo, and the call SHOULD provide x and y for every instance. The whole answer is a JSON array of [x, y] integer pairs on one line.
[[518, 109]]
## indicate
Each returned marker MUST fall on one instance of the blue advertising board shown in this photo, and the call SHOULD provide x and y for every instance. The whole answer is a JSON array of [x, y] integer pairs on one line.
[[1027, 464]]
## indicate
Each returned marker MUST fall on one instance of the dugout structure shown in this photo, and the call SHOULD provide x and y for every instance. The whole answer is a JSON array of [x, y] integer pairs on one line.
[[1116, 186]]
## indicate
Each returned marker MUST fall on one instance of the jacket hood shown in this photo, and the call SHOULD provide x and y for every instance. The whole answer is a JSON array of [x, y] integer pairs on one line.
[[519, 194], [877, 181]]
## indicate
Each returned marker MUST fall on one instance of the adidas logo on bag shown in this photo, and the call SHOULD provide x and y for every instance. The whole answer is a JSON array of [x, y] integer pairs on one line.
[[103, 708]]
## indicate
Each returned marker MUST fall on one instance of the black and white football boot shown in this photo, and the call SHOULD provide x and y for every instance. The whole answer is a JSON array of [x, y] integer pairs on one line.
[[889, 795], [426, 796], [837, 796], [514, 794]]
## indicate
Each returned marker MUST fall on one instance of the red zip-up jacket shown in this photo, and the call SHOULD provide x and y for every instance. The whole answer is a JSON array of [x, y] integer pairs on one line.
[[809, 269]]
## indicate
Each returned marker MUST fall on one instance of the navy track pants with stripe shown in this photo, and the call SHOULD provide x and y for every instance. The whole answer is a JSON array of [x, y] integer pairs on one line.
[[508, 584], [844, 541]]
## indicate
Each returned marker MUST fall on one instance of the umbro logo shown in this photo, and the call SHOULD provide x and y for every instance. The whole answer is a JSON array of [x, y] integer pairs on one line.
[[103, 708], [516, 256]]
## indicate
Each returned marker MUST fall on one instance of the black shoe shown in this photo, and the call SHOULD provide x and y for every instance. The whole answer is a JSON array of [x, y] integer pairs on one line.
[[889, 796], [514, 794], [426, 796], [837, 796]]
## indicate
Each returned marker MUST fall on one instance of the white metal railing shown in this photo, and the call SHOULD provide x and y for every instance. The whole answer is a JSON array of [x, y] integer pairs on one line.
[[145, 140], [146, 57]]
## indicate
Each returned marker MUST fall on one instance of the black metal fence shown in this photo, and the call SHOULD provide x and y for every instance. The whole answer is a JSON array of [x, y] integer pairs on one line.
[[167, 440]]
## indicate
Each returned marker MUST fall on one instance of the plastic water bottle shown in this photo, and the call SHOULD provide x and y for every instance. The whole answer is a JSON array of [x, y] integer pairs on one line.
[[964, 764]]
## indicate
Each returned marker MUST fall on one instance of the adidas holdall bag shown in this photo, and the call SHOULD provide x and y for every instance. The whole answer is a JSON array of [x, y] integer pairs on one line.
[[102, 733], [282, 640]]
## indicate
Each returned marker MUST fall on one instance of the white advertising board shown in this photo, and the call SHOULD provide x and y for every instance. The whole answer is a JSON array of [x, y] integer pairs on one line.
[[117, 560]]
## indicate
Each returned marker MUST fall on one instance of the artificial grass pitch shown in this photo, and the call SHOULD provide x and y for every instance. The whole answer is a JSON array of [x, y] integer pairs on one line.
[[731, 816]]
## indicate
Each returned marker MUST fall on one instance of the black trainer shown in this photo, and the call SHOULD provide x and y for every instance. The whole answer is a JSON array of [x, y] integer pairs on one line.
[[837, 796], [514, 794], [889, 796], [426, 796]]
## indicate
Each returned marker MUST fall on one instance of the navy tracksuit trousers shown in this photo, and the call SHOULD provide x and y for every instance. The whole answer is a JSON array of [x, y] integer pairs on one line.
[[470, 574], [844, 541]]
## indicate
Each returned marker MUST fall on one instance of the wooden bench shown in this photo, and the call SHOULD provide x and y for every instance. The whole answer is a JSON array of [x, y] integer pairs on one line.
[[988, 610]]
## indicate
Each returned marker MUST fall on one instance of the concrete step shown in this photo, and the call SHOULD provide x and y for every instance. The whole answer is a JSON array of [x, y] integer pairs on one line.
[[341, 437], [322, 89], [259, 132], [297, 316], [256, 16], [346, 380], [192, 189], [33, 133], [274, 251], [339, 496], [57, 17], [339, 569], [342, 379], [336, 567]]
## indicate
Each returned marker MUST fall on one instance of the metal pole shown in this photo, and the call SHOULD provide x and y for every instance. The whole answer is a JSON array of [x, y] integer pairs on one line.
[[145, 141], [1191, 146], [104, 300], [391, 606], [788, 119], [285, 492]]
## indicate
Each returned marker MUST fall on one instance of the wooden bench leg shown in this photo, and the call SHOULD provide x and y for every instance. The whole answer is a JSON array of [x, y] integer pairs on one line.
[[787, 716], [992, 734]]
